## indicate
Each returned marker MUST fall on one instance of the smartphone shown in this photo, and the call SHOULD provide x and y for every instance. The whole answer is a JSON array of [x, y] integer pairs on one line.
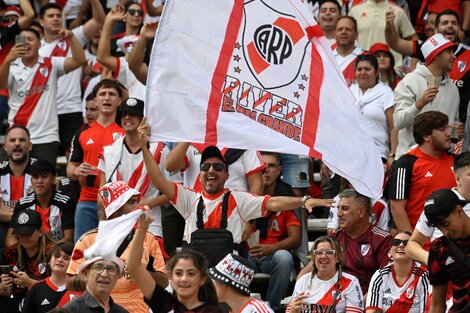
[[5, 269], [19, 39]]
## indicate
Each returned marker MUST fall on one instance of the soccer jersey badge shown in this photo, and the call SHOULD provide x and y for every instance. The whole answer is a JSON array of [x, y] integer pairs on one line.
[[44, 71], [461, 65], [410, 292], [365, 249]]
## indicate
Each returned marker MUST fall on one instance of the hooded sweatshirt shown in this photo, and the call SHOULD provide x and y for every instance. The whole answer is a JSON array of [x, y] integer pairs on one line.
[[373, 103], [408, 91]]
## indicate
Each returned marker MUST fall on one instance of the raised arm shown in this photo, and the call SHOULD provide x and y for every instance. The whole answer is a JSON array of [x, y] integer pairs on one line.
[[391, 35], [78, 56], [28, 14], [16, 52], [104, 47], [134, 263], [93, 26], [166, 187], [414, 248], [137, 55], [175, 159]]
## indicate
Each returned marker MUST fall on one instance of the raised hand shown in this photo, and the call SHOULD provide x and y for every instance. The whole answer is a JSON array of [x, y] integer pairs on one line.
[[148, 30], [144, 133]]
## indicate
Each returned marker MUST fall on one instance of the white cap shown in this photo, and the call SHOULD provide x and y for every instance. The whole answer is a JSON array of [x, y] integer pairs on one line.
[[435, 45]]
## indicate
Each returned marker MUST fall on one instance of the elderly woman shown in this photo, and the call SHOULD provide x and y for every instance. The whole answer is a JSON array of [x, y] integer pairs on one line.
[[27, 258], [400, 286], [375, 101], [326, 288]]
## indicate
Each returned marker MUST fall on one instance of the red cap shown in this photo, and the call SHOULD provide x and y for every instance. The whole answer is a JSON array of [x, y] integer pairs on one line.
[[378, 47]]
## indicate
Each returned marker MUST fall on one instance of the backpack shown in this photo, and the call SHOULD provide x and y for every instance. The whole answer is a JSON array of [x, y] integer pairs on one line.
[[214, 243]]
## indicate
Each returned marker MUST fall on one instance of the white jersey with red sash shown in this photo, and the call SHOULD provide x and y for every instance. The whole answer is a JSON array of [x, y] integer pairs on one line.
[[322, 294], [33, 97], [119, 164], [255, 306], [346, 64], [385, 294], [247, 164], [242, 207], [68, 92]]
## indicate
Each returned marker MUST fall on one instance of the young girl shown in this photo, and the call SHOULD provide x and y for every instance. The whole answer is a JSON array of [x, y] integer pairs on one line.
[[192, 290]]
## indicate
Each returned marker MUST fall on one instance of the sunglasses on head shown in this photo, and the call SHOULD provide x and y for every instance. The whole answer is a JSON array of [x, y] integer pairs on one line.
[[134, 11], [219, 167], [397, 242]]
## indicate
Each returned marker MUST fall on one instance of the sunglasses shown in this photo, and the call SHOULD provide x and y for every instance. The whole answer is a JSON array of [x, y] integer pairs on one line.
[[134, 11], [397, 242], [218, 167], [324, 252]]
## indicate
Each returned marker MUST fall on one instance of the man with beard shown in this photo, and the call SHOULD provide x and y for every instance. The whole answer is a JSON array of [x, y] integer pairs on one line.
[[15, 181], [421, 171]]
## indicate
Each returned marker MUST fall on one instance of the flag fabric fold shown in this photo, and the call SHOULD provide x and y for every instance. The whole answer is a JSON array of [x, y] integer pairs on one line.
[[256, 75]]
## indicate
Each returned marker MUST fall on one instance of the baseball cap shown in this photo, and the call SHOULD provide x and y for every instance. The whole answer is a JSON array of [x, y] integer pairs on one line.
[[212, 152], [435, 45], [114, 195], [132, 105], [440, 204], [26, 222], [379, 46]]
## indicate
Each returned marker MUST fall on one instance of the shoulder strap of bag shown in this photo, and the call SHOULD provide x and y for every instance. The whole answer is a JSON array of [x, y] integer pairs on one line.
[[200, 209], [124, 244], [459, 253]]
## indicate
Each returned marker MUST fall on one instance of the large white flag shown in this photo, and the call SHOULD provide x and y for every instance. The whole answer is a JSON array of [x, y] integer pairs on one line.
[[258, 75]]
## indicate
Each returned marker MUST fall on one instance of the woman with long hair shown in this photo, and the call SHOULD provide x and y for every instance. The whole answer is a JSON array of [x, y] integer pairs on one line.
[[326, 288], [27, 258], [401, 286], [375, 101], [192, 289], [387, 73], [53, 287]]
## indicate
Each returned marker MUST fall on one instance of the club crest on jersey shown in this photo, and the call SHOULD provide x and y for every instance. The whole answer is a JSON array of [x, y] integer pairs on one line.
[[365, 249], [29, 189], [55, 221], [116, 136], [44, 71], [42, 268], [410, 292], [461, 65], [272, 43], [62, 45]]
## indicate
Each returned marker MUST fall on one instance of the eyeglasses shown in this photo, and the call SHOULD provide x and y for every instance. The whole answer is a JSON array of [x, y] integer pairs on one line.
[[99, 268], [324, 252], [134, 11], [219, 167], [272, 165], [397, 242]]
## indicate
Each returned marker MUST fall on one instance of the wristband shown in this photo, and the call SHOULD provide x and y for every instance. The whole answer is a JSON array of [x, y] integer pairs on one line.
[[304, 199]]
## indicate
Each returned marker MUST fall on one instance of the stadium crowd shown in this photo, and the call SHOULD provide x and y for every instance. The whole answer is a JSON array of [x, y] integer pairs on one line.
[[73, 80]]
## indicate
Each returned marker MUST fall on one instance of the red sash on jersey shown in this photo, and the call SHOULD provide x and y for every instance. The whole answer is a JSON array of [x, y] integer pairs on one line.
[[37, 88], [404, 303], [61, 49], [138, 172], [349, 73]]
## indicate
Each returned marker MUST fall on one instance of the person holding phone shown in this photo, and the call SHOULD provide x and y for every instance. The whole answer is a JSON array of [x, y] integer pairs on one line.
[[32, 83]]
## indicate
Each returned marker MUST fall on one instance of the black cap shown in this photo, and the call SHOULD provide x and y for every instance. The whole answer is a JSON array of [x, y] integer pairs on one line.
[[440, 204], [26, 222], [132, 105], [212, 152], [42, 166]]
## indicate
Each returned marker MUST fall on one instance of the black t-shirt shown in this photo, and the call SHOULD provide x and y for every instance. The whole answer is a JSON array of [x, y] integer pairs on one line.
[[444, 266], [162, 302], [7, 38]]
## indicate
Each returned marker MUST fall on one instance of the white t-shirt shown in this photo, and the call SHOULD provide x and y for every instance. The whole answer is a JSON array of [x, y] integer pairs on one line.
[[344, 62], [125, 76], [43, 124], [384, 291], [69, 91], [320, 293], [242, 207], [433, 232], [249, 163]]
